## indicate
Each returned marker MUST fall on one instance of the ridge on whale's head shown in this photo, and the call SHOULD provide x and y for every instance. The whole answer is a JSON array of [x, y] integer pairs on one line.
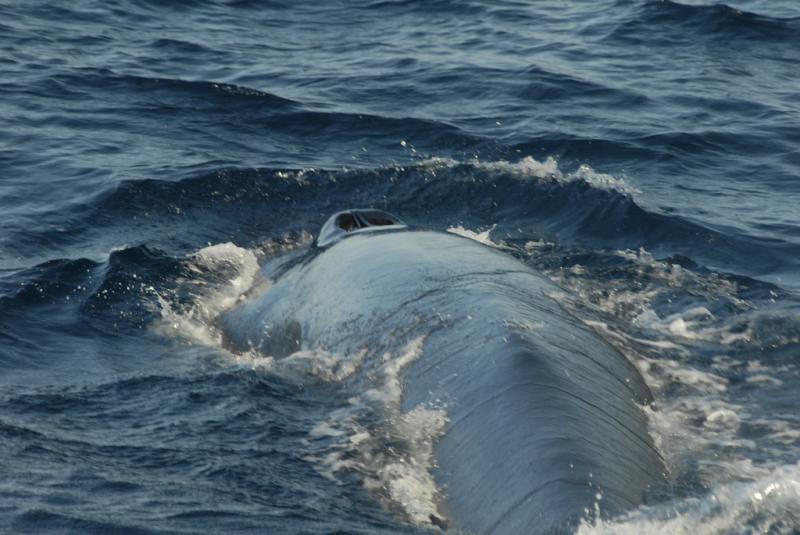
[[356, 221]]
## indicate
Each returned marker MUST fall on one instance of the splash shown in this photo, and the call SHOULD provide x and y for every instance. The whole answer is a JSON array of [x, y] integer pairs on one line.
[[480, 237], [768, 503], [216, 279], [529, 168], [222, 275], [700, 345], [393, 457]]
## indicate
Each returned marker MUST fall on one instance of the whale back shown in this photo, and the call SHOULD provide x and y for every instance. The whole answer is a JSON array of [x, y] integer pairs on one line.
[[545, 418]]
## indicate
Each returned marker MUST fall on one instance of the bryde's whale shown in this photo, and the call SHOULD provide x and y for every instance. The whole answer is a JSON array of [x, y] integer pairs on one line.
[[545, 424]]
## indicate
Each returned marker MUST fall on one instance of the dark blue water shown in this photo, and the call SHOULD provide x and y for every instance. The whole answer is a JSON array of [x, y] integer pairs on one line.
[[643, 154]]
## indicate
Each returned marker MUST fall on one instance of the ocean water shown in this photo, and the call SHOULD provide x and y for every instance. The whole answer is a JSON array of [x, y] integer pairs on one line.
[[645, 155]]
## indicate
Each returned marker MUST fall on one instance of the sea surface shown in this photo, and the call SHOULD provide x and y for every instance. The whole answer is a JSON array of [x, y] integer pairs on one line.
[[643, 154]]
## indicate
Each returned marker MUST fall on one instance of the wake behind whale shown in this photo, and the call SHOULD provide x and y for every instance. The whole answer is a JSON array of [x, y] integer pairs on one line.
[[544, 423]]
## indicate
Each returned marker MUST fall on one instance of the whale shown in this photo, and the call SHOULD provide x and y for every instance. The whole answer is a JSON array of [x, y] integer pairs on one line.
[[546, 426]]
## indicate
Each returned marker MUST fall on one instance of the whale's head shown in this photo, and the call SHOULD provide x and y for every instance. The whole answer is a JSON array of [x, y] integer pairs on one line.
[[356, 221]]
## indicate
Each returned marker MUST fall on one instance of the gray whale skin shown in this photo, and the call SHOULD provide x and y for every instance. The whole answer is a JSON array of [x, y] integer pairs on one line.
[[544, 416]]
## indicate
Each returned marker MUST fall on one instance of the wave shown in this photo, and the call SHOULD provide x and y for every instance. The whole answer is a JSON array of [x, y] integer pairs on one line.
[[213, 436], [547, 85], [765, 503], [666, 22], [472, 7], [201, 94], [260, 212], [165, 97], [237, 124], [526, 198]]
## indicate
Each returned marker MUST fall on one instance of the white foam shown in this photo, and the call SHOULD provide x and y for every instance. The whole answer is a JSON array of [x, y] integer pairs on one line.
[[401, 473], [529, 168], [526, 167], [320, 365], [632, 302], [532, 246], [224, 273], [480, 237], [408, 479], [768, 503], [701, 422], [300, 176], [221, 276], [764, 379]]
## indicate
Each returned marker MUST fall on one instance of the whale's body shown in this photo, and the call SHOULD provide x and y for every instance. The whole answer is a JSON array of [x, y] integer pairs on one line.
[[545, 419]]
